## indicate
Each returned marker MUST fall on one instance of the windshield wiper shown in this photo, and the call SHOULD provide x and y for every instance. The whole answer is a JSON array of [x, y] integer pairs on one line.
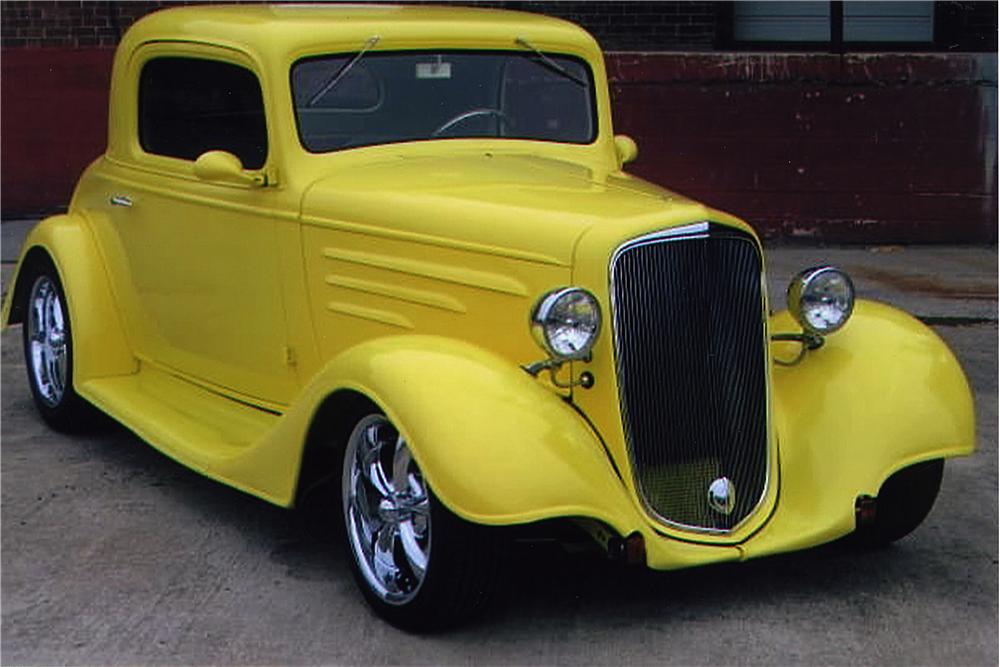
[[551, 64], [342, 72]]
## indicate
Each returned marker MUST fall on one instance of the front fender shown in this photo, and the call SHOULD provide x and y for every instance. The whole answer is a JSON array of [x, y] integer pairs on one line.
[[495, 445], [99, 343], [880, 395]]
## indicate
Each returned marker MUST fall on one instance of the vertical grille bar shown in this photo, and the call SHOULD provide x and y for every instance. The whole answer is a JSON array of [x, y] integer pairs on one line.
[[689, 340]]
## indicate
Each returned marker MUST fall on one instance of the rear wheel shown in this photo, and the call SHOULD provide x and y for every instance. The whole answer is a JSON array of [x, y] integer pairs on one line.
[[48, 352], [418, 565], [903, 502]]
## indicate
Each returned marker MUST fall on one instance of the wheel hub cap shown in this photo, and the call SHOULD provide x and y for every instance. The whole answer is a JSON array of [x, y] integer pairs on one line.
[[386, 510], [47, 352]]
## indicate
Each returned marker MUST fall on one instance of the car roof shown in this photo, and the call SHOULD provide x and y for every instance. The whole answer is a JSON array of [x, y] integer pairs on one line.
[[304, 28]]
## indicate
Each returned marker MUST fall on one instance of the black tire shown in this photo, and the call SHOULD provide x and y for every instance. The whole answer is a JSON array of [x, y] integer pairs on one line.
[[462, 559], [903, 502], [55, 398]]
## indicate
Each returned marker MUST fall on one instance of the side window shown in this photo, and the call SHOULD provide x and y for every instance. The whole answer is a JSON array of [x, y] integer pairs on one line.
[[188, 106]]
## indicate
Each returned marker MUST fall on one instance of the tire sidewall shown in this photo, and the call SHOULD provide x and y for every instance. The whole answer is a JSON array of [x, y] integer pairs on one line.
[[904, 501], [451, 591], [62, 414], [397, 614]]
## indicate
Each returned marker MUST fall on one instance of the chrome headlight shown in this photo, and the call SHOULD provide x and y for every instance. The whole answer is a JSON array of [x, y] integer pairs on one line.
[[821, 299], [566, 323]]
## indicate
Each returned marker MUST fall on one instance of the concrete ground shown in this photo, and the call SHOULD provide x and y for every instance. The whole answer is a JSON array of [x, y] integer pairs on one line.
[[114, 554]]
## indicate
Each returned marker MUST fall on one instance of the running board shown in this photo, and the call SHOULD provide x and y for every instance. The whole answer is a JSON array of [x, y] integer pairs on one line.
[[210, 433]]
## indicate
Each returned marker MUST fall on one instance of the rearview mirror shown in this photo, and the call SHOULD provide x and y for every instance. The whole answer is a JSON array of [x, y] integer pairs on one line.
[[626, 148], [224, 167]]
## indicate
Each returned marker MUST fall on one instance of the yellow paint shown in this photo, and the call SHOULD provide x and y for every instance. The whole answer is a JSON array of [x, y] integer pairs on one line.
[[881, 394], [216, 314], [69, 242]]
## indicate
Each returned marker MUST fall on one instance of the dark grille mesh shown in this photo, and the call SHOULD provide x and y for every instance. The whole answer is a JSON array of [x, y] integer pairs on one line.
[[691, 369]]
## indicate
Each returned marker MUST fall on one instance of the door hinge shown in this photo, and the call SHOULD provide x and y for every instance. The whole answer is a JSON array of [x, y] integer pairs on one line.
[[270, 177]]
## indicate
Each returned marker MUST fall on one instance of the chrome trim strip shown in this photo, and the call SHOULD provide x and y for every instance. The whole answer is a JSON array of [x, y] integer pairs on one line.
[[698, 230]]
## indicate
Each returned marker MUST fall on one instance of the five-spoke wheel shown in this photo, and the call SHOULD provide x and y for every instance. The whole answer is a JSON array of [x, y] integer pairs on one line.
[[48, 350], [46, 341], [386, 511], [418, 565]]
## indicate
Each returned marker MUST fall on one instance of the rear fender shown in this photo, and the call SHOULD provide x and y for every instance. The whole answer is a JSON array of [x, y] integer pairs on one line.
[[99, 344], [880, 395], [494, 444]]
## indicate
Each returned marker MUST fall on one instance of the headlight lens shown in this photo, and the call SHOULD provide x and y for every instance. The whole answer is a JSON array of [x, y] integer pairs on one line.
[[821, 299], [566, 322]]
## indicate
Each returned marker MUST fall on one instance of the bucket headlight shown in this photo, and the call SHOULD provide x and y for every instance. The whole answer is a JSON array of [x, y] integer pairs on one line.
[[566, 323], [821, 299]]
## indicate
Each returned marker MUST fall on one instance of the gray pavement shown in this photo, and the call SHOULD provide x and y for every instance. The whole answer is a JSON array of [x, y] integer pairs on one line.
[[113, 554], [12, 233]]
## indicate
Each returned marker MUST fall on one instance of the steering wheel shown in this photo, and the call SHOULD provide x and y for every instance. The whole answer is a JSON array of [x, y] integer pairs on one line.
[[466, 115]]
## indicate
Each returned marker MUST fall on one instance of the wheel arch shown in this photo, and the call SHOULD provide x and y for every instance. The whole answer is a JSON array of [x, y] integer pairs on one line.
[[67, 243], [880, 396], [883, 394], [332, 423], [496, 446], [35, 258]]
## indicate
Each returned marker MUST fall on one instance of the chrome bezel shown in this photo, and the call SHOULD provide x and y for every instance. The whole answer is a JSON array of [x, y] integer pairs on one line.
[[697, 230], [543, 309], [801, 284]]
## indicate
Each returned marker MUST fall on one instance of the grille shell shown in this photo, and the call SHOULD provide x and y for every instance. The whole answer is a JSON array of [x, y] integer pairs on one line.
[[688, 315]]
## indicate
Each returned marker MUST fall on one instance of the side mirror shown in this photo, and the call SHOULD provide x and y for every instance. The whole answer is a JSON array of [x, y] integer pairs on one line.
[[223, 167], [626, 148]]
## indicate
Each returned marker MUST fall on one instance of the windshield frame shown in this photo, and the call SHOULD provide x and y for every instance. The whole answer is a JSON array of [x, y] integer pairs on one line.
[[592, 103]]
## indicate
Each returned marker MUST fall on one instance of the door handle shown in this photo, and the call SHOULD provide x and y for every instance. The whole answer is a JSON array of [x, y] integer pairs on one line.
[[121, 200]]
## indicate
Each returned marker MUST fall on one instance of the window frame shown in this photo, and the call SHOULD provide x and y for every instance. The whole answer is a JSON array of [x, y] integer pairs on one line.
[[595, 130], [725, 39], [176, 166]]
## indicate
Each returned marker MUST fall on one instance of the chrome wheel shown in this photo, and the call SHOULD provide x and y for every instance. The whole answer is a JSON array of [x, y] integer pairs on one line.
[[47, 341], [386, 511]]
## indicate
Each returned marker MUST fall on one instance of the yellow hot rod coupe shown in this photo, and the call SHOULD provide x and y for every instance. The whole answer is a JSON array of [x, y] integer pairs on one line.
[[396, 247]]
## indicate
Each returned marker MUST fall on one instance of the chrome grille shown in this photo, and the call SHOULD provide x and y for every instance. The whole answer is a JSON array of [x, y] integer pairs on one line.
[[689, 340]]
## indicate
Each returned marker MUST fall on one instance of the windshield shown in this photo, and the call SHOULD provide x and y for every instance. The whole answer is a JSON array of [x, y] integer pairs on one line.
[[362, 99]]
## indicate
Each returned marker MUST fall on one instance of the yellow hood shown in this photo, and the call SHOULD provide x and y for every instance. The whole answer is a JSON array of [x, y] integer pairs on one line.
[[528, 205]]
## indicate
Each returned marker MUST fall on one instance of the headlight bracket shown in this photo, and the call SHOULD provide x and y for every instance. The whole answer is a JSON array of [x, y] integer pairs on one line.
[[810, 341], [552, 365]]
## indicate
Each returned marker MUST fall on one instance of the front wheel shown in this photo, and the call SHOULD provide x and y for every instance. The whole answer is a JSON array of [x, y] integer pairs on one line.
[[418, 565], [48, 352], [903, 502]]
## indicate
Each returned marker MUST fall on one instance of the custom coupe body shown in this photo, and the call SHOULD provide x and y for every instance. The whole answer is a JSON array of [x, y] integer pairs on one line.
[[327, 241]]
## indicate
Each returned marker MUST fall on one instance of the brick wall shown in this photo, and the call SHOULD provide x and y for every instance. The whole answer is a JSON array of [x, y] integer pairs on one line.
[[631, 25], [64, 24], [889, 147], [54, 118], [858, 148], [636, 25]]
